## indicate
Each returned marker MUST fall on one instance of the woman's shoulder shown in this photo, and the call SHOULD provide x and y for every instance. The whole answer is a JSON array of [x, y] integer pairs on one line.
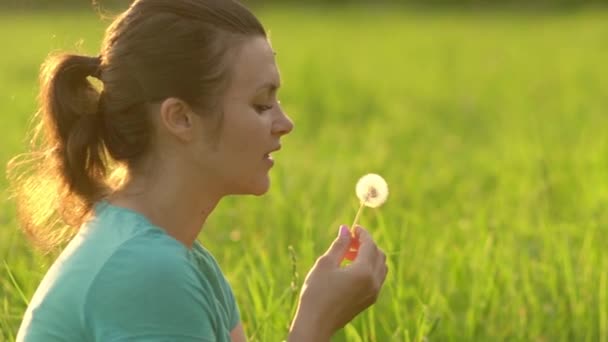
[[149, 282], [143, 268], [131, 249], [150, 255]]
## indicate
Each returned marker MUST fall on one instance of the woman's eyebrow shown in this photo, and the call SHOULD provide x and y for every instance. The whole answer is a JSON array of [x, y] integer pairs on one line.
[[272, 86]]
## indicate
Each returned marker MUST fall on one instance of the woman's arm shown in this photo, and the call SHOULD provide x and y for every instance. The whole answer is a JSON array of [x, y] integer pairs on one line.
[[333, 295], [238, 334]]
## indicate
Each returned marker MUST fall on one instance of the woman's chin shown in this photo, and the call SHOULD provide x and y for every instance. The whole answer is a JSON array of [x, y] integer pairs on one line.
[[261, 188], [258, 188]]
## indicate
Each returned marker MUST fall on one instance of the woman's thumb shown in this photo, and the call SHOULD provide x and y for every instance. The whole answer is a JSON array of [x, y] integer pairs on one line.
[[340, 246]]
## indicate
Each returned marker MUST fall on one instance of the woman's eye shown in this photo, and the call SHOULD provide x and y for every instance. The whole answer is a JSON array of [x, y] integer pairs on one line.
[[262, 108]]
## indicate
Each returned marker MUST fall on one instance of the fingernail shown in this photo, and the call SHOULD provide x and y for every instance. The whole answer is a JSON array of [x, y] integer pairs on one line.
[[343, 232]]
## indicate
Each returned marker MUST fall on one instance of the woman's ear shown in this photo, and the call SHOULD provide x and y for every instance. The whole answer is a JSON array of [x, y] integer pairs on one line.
[[177, 118]]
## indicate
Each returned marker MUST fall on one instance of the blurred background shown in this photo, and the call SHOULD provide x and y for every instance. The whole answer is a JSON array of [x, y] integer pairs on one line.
[[487, 118], [48, 4]]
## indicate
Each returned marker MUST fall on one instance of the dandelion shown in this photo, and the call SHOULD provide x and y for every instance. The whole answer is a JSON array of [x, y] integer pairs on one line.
[[372, 192]]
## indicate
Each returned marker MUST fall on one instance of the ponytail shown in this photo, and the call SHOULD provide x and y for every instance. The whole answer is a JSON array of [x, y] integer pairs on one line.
[[65, 173], [69, 105]]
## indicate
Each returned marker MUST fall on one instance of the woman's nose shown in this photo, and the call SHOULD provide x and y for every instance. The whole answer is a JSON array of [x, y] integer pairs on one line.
[[282, 124]]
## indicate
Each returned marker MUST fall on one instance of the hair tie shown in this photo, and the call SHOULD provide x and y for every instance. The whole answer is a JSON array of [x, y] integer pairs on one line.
[[97, 72]]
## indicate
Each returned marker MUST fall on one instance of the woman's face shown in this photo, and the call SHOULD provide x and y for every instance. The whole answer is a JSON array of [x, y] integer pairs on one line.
[[252, 123]]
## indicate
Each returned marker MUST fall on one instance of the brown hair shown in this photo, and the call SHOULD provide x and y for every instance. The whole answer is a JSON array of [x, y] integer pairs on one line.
[[154, 50]]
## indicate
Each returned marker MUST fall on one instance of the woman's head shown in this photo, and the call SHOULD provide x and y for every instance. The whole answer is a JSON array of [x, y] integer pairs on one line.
[[231, 156], [181, 82]]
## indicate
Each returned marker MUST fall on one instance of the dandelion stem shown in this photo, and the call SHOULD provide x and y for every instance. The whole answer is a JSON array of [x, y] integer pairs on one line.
[[352, 228]]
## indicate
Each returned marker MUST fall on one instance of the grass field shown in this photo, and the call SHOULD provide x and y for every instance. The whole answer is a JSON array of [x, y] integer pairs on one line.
[[490, 128]]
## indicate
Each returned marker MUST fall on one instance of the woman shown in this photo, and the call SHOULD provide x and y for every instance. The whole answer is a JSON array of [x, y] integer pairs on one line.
[[189, 111]]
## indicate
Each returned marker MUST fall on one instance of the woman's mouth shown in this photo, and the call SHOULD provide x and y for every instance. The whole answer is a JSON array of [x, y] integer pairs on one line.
[[268, 159]]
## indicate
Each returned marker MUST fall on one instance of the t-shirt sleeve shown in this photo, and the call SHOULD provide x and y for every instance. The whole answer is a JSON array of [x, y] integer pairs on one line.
[[233, 308], [151, 298], [229, 300]]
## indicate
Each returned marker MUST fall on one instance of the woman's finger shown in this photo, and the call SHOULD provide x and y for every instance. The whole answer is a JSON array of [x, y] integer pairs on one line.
[[368, 252], [381, 267], [353, 250]]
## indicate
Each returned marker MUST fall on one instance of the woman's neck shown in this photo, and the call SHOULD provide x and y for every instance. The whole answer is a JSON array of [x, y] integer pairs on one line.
[[171, 203]]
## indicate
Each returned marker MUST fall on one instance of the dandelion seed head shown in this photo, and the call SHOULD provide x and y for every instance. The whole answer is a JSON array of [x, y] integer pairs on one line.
[[372, 190]]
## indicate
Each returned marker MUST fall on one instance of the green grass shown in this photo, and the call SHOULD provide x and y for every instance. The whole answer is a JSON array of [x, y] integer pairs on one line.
[[490, 129]]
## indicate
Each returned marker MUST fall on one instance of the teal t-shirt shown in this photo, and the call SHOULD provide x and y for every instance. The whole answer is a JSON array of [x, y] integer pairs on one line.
[[123, 279]]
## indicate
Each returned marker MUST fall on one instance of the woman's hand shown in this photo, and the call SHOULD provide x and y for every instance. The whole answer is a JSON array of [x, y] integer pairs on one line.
[[333, 295]]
